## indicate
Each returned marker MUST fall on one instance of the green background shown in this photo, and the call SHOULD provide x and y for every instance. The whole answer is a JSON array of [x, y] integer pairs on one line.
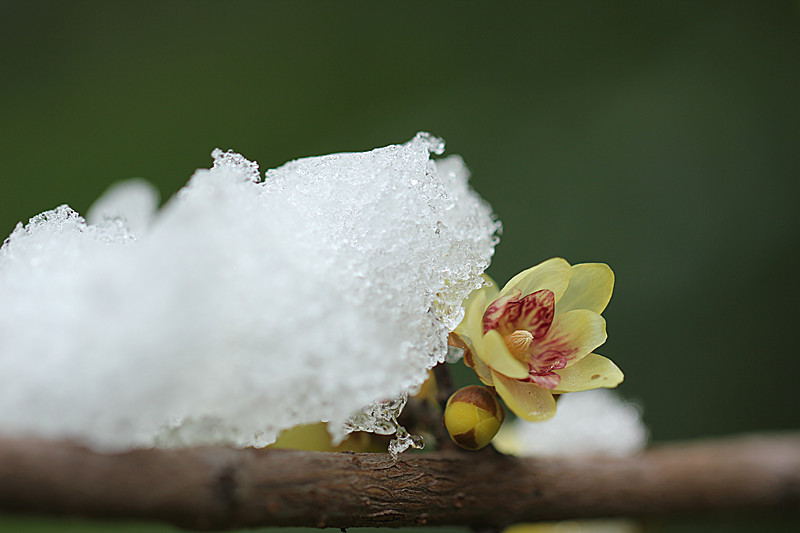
[[660, 137]]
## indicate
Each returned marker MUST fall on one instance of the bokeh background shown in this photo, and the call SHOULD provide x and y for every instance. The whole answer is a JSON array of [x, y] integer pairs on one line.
[[660, 137]]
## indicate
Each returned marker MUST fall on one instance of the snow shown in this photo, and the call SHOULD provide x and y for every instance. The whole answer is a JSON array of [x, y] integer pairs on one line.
[[595, 422], [245, 306]]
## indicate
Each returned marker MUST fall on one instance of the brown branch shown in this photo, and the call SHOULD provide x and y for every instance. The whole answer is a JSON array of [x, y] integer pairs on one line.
[[222, 488]]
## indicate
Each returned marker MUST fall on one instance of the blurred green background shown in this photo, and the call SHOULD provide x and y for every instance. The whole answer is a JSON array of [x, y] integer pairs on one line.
[[660, 137]]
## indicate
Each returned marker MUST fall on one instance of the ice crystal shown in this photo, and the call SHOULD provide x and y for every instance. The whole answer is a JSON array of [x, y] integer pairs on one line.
[[381, 418], [245, 305]]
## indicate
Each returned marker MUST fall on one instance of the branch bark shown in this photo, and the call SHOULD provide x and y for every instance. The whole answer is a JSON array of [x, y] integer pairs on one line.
[[223, 488]]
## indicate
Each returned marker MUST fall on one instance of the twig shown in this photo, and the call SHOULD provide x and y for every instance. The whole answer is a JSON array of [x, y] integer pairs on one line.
[[223, 488], [423, 414]]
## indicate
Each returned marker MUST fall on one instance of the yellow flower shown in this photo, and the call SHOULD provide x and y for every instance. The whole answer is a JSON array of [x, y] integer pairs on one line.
[[535, 337]]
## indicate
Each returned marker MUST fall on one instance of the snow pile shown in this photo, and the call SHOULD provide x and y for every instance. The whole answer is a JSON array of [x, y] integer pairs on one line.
[[595, 422], [245, 305]]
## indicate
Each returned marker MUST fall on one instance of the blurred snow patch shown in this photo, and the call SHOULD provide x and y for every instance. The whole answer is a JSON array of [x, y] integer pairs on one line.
[[135, 201], [245, 305], [595, 422]]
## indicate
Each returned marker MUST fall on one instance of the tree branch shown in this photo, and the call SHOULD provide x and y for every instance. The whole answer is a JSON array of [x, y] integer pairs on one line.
[[223, 488]]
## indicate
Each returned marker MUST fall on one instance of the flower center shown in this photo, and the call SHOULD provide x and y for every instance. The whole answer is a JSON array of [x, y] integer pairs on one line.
[[518, 343]]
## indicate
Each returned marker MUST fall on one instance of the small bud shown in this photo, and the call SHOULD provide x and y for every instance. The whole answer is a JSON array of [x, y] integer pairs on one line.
[[473, 416]]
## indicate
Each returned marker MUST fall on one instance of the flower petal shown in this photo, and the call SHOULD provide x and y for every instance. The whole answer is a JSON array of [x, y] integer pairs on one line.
[[496, 355], [495, 315], [536, 312], [526, 400], [574, 333], [552, 274], [533, 313], [546, 381], [546, 362], [590, 287], [476, 363], [471, 327], [487, 293], [592, 372]]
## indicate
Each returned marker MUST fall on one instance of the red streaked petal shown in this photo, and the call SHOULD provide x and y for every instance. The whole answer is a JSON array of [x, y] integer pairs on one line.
[[547, 381], [575, 334], [534, 313], [546, 362], [493, 316]]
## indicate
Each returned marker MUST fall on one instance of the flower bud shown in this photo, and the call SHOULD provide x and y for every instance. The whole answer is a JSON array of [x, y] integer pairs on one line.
[[472, 416]]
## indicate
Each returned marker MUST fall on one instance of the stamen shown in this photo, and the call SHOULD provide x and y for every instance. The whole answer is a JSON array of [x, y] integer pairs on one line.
[[518, 343]]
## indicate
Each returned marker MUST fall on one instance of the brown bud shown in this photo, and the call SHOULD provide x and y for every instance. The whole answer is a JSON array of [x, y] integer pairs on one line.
[[473, 416]]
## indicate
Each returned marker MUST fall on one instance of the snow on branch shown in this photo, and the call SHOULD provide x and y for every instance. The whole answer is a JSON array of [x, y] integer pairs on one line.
[[245, 306]]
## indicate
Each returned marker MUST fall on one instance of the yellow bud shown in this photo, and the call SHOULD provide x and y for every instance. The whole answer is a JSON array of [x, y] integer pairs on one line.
[[473, 416]]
